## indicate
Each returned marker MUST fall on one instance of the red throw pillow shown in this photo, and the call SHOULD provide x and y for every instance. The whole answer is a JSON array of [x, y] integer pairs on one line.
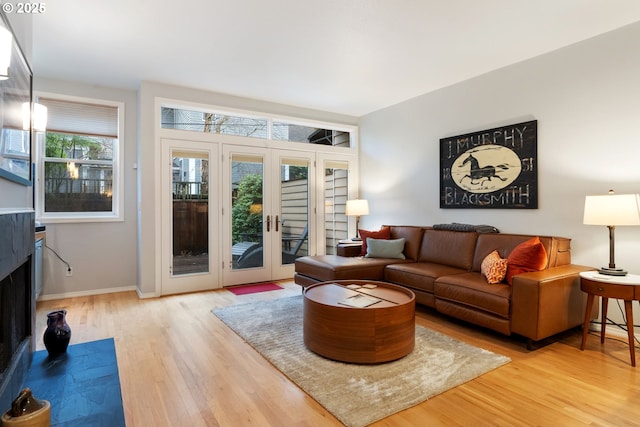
[[384, 233], [527, 256]]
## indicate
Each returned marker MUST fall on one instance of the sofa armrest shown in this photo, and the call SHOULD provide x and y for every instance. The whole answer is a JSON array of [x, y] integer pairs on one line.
[[547, 302]]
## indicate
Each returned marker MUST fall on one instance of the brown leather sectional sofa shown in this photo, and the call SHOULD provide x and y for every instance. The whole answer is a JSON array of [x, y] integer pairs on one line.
[[443, 269]]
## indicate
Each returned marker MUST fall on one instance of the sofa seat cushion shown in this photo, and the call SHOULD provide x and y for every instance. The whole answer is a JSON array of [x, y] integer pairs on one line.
[[419, 275], [334, 267], [471, 289]]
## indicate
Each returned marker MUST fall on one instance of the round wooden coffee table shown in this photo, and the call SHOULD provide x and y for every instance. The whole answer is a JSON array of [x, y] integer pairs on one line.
[[363, 333]]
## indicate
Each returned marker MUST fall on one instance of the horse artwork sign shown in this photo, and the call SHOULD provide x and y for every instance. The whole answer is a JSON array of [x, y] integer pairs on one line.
[[490, 169]]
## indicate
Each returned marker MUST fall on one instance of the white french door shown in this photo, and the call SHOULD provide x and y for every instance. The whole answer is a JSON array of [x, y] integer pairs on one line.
[[190, 217], [268, 196], [234, 214]]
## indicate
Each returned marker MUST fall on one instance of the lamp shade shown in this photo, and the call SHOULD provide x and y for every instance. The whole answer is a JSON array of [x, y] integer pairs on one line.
[[357, 207], [39, 117], [612, 209]]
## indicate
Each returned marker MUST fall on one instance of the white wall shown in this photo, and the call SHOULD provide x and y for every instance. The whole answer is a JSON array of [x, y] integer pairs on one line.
[[586, 99], [101, 254]]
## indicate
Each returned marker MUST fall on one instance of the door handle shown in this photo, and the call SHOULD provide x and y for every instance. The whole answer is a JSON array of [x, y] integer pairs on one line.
[[277, 223], [268, 223]]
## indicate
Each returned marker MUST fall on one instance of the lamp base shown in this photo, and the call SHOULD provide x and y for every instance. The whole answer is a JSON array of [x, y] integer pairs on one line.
[[612, 271], [356, 239]]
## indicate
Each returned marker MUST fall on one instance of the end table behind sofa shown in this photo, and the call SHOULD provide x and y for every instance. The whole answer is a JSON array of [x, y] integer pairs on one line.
[[349, 248]]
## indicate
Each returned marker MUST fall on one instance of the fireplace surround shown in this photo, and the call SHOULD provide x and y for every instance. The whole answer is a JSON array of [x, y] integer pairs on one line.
[[17, 301]]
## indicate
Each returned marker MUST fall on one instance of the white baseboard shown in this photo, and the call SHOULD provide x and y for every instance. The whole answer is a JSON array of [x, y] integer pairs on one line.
[[147, 295], [49, 297], [613, 331]]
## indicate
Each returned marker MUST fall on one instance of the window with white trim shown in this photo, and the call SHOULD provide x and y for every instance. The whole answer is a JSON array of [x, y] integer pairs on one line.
[[79, 172], [252, 126]]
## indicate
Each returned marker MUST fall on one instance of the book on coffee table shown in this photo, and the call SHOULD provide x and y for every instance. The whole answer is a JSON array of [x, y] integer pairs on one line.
[[359, 301]]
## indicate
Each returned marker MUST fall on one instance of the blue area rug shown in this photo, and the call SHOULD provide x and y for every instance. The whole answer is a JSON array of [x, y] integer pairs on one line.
[[82, 385]]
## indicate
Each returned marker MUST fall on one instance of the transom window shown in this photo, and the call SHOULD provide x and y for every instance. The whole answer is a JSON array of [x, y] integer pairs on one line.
[[80, 160], [254, 127]]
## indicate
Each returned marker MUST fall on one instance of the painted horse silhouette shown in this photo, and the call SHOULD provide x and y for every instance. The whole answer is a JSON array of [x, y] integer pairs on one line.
[[479, 175]]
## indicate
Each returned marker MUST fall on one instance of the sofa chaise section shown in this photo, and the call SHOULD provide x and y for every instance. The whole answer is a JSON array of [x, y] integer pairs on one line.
[[323, 268]]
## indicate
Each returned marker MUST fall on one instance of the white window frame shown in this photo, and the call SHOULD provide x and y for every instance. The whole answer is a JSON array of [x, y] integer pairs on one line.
[[117, 206], [251, 114]]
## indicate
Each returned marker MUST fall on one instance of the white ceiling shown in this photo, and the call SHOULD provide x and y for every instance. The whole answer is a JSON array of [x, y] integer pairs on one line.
[[344, 56]]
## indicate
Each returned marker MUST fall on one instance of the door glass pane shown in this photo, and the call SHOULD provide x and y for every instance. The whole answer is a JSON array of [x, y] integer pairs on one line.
[[247, 195], [294, 209], [190, 187], [335, 201]]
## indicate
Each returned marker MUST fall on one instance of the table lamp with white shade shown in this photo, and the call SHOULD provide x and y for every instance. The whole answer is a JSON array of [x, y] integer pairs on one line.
[[357, 208], [612, 210]]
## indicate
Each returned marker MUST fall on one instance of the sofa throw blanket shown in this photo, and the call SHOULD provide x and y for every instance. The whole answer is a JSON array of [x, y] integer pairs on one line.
[[456, 226]]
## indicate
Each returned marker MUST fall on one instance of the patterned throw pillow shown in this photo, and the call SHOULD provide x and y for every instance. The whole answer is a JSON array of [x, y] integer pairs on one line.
[[494, 268]]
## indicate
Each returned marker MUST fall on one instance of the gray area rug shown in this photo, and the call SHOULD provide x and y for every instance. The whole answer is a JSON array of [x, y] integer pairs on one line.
[[357, 395]]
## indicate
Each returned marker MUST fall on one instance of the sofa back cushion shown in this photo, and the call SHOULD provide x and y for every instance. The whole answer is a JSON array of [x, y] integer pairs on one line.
[[558, 249], [452, 248], [412, 236]]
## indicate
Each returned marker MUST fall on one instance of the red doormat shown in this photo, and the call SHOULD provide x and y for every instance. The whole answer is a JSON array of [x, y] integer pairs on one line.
[[253, 288]]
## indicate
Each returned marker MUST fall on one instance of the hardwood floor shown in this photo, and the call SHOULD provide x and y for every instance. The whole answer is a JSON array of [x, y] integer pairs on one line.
[[181, 366]]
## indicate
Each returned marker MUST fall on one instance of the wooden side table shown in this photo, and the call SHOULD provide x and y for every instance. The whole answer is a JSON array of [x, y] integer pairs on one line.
[[626, 288], [349, 248]]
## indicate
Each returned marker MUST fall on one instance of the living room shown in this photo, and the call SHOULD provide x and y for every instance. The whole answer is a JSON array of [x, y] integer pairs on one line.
[[583, 96]]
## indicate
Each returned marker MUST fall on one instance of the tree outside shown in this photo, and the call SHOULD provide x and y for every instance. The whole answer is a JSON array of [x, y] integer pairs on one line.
[[66, 193], [247, 208]]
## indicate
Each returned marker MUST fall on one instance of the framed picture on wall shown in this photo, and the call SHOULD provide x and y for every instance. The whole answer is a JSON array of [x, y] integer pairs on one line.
[[491, 169], [15, 116]]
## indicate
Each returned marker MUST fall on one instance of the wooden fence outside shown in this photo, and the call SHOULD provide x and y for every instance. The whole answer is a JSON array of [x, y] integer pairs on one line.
[[191, 217]]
